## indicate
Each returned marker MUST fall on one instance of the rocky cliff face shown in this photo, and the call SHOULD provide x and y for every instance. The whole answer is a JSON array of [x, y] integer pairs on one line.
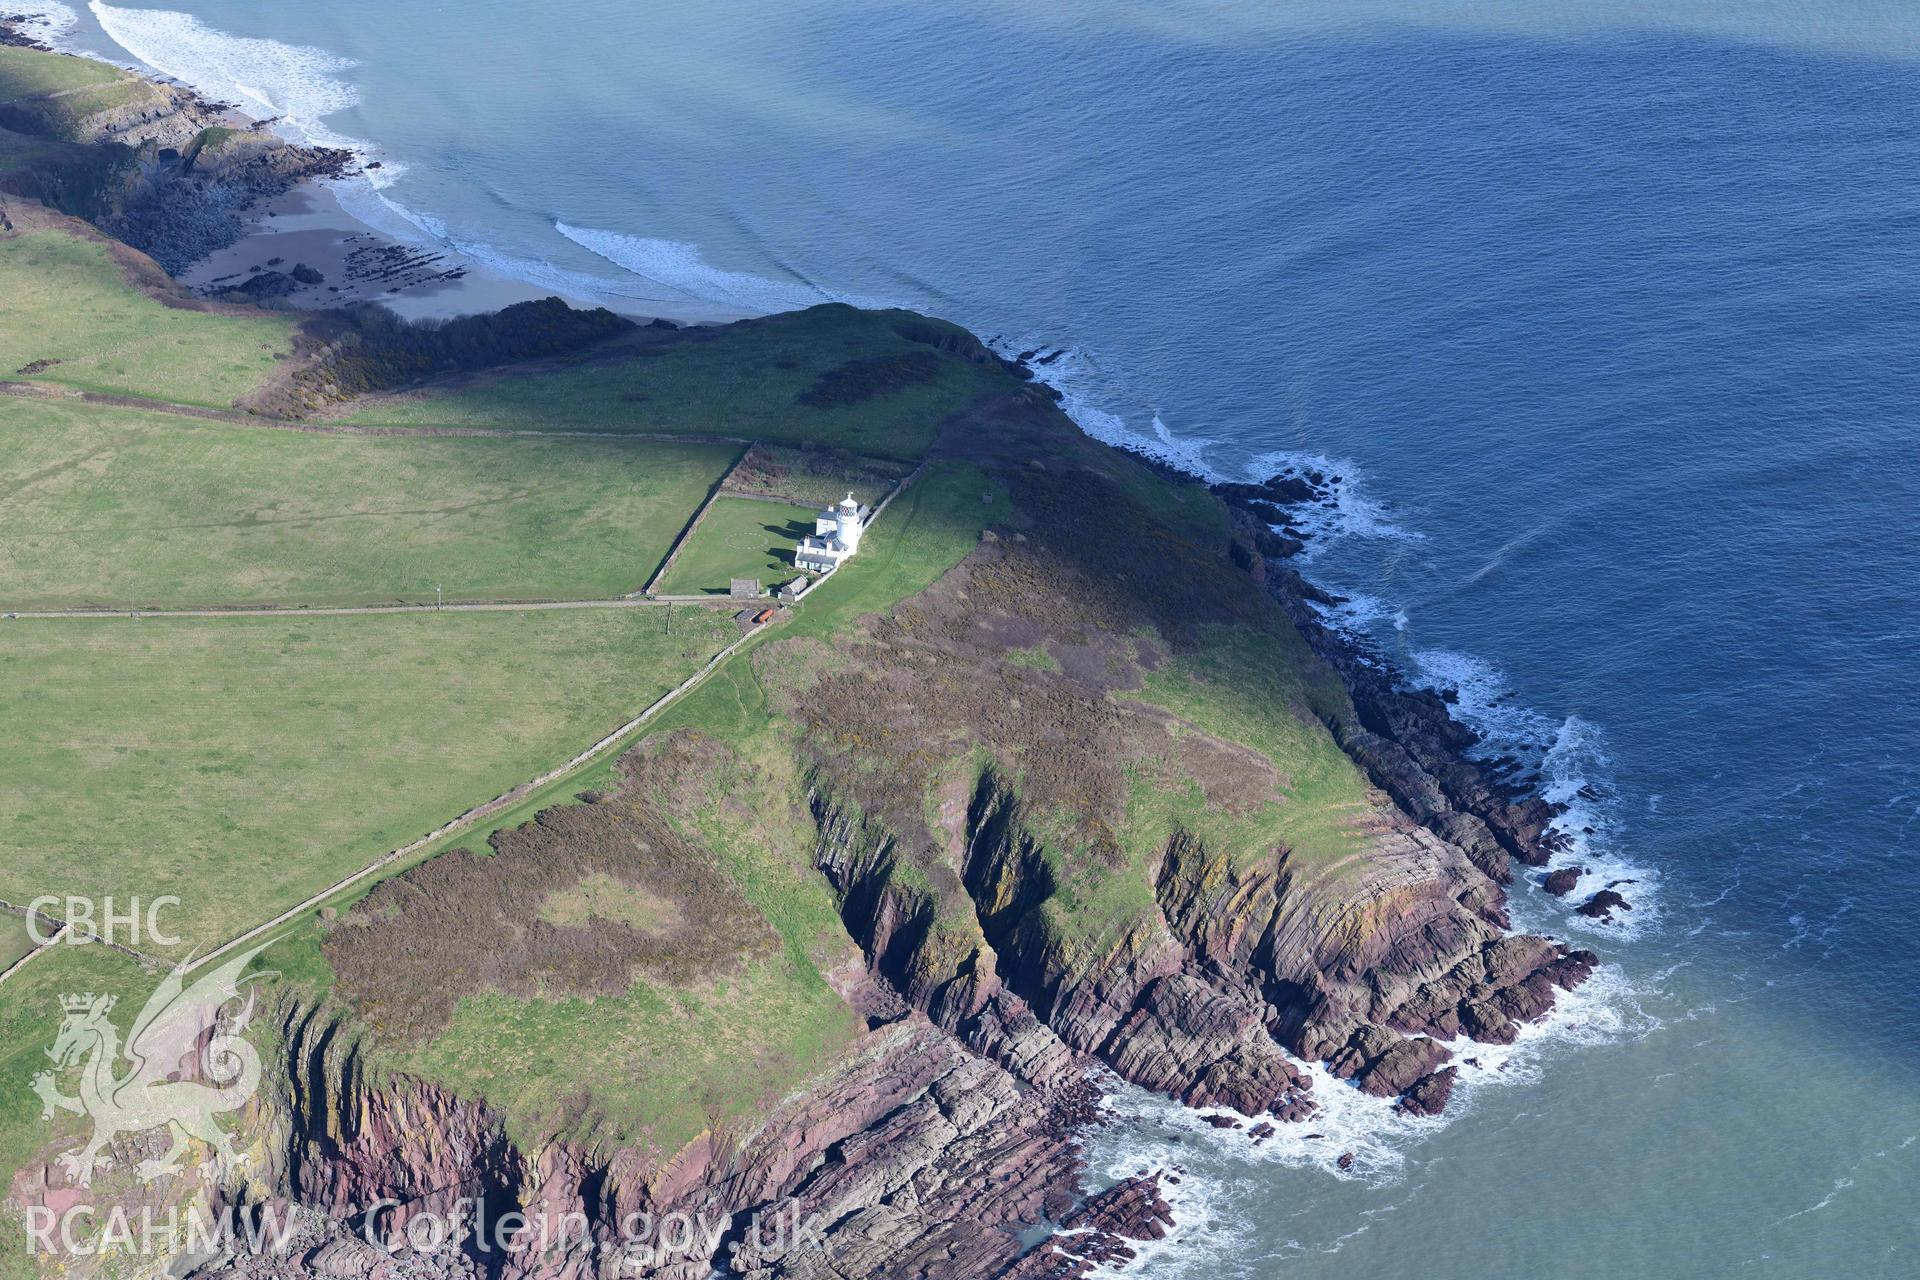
[[1240, 958], [913, 1157], [1205, 998], [154, 164]]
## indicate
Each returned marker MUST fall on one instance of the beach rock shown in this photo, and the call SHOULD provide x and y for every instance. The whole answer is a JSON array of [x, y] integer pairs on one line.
[[1102, 1231], [348, 1258], [1205, 1047], [1560, 881], [179, 174], [267, 284], [1278, 546], [1572, 969], [911, 1157], [1603, 904], [1280, 490], [1384, 1064], [1430, 1093]]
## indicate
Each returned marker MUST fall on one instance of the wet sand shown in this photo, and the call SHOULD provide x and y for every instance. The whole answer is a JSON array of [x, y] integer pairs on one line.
[[308, 226]]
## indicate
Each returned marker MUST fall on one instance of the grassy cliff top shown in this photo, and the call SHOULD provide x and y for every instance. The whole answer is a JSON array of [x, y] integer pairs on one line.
[[870, 382], [78, 317], [31, 73]]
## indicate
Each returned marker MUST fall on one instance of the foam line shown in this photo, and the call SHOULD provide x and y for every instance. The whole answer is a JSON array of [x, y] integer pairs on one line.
[[48, 21], [295, 86], [678, 266]]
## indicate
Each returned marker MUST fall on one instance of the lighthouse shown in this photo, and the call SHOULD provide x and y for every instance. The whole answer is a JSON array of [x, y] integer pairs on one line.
[[850, 518], [836, 535]]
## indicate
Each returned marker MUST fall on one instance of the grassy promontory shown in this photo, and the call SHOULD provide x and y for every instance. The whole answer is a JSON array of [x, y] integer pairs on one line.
[[244, 763], [1046, 759]]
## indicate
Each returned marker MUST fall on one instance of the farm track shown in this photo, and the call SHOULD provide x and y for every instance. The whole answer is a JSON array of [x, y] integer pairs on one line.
[[341, 611], [235, 417]]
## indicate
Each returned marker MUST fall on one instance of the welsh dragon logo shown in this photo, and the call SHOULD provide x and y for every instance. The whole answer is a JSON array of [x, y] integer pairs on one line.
[[183, 1063]]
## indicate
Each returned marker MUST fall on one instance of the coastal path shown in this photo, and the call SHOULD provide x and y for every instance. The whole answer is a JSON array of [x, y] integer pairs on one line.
[[336, 611]]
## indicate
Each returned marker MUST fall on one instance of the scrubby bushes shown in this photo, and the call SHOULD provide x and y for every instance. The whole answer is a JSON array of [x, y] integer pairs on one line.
[[370, 348], [580, 901], [859, 380]]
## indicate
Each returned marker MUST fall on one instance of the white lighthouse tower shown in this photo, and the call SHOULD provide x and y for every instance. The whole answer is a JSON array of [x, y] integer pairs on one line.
[[836, 535], [850, 519]]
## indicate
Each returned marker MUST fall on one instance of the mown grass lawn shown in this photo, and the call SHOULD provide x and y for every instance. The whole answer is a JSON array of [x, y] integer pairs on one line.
[[741, 381], [68, 301], [109, 506], [244, 764], [739, 538]]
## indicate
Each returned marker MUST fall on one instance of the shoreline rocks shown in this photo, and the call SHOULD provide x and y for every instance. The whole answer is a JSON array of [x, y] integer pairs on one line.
[[1603, 904], [174, 174], [1561, 880]]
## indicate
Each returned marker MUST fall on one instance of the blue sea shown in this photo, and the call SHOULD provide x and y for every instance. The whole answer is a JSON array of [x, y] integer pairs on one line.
[[1606, 314]]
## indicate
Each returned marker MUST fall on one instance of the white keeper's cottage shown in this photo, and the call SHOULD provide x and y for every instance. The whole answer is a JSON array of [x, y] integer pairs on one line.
[[836, 536]]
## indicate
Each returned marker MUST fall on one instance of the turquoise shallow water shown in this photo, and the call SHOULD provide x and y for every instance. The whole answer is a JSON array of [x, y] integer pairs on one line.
[[1608, 318]]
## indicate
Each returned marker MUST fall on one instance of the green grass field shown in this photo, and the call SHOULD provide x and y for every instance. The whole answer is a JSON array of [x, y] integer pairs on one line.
[[927, 531], [15, 941], [109, 506], [736, 382], [659, 1063], [26, 73], [68, 301], [1247, 687], [739, 538], [244, 764]]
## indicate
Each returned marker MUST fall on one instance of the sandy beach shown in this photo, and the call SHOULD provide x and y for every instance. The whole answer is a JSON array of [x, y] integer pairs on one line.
[[302, 248], [309, 227]]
